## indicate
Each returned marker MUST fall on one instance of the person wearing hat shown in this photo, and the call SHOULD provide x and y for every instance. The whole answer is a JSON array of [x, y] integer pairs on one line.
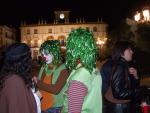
[[16, 81]]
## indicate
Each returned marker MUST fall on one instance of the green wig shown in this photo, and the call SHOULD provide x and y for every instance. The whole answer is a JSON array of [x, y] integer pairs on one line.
[[52, 47], [81, 46]]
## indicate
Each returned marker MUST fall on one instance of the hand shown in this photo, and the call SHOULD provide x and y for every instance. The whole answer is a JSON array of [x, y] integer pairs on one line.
[[35, 79], [133, 71]]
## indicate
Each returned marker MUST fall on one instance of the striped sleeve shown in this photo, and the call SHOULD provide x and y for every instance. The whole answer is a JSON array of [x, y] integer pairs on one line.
[[76, 93]]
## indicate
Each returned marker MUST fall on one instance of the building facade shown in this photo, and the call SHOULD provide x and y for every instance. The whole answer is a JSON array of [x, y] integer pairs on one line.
[[7, 37], [35, 34]]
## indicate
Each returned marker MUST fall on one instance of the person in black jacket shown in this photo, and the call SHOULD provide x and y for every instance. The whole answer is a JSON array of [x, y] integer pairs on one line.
[[124, 79]]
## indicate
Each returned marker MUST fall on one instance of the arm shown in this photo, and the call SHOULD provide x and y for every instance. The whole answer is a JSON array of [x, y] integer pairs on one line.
[[55, 88], [76, 94], [119, 81]]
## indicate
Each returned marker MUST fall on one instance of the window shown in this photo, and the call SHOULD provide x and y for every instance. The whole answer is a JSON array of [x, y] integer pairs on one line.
[[62, 42], [49, 30], [6, 35], [50, 38], [35, 31], [94, 29], [29, 42], [87, 28], [28, 31], [61, 38]]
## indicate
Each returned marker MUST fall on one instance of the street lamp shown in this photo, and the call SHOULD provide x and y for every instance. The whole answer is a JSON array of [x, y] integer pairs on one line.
[[142, 16], [146, 14], [137, 16]]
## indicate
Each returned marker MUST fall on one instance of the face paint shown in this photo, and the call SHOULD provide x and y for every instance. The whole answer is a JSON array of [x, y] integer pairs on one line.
[[47, 57]]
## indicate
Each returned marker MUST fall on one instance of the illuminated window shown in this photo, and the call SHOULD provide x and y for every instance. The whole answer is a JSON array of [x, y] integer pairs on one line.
[[62, 40], [35, 31], [50, 38], [28, 31], [29, 42], [94, 29], [49, 30]]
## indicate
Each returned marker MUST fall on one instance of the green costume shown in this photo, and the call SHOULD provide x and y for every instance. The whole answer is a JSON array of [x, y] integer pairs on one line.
[[58, 99], [81, 47], [53, 47], [93, 101]]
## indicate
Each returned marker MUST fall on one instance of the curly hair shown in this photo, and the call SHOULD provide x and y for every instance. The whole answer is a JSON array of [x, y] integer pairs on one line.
[[17, 61], [53, 47], [81, 45]]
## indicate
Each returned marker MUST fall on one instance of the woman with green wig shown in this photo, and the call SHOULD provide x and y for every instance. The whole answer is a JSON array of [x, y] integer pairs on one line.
[[52, 77], [83, 94]]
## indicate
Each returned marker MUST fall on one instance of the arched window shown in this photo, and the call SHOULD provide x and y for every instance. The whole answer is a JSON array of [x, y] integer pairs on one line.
[[62, 40], [50, 38]]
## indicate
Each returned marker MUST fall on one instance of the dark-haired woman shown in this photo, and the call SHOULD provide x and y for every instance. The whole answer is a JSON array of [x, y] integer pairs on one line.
[[124, 80], [16, 81]]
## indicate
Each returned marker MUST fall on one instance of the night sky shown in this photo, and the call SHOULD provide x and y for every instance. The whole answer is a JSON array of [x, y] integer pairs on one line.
[[112, 11]]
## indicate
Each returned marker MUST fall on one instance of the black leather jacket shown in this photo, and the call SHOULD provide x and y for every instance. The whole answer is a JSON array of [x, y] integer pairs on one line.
[[123, 85]]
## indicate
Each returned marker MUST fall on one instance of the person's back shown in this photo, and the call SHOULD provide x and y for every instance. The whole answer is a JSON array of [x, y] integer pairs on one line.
[[15, 97], [105, 71], [16, 81], [83, 94]]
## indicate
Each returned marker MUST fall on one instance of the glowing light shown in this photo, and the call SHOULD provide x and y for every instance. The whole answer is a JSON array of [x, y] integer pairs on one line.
[[101, 41], [142, 16], [31, 41], [137, 16], [146, 14], [62, 16], [39, 42]]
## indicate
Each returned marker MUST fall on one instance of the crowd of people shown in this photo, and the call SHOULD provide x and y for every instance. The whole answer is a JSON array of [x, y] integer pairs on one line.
[[73, 84]]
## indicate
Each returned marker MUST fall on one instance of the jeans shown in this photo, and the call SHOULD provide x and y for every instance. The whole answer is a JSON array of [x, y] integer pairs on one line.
[[118, 108]]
